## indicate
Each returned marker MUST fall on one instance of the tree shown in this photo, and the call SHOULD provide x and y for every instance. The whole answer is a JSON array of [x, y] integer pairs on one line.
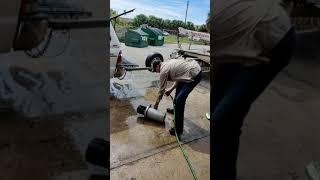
[[181, 24], [203, 28], [113, 13], [152, 21], [174, 24], [140, 19], [190, 25], [162, 23], [167, 24], [159, 23], [177, 23], [118, 21]]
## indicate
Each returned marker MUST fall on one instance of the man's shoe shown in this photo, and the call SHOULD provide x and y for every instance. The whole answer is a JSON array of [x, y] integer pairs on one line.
[[171, 111], [208, 115]]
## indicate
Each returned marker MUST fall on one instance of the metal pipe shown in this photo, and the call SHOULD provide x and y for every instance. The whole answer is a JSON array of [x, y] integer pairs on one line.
[[126, 12], [151, 113], [136, 69], [78, 24]]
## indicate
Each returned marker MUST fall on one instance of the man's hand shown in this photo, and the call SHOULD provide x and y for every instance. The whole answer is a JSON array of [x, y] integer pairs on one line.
[[167, 92], [155, 106]]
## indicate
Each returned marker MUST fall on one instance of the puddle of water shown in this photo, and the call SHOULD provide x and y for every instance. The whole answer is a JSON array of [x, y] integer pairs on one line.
[[120, 111], [147, 122], [133, 131]]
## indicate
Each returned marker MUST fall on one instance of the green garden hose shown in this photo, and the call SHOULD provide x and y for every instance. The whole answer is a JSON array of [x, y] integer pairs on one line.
[[180, 146]]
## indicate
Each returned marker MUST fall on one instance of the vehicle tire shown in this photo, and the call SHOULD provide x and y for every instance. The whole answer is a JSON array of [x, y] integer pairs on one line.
[[152, 57], [98, 152]]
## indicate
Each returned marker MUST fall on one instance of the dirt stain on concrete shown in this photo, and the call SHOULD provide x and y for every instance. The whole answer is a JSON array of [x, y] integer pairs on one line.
[[151, 94], [119, 112]]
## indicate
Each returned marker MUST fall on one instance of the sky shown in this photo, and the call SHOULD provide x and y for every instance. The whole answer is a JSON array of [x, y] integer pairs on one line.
[[165, 9]]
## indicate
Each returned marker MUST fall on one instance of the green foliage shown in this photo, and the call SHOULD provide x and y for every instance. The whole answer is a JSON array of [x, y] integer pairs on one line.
[[156, 22], [167, 24], [181, 24], [203, 28], [190, 26], [152, 21], [118, 21], [161, 23], [172, 39], [113, 13], [140, 19]]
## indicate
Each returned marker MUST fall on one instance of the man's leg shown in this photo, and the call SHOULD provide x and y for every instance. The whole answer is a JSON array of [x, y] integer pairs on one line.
[[182, 91], [223, 143], [228, 116]]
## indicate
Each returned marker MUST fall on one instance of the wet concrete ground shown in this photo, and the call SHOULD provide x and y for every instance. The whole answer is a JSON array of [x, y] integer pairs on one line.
[[169, 164]]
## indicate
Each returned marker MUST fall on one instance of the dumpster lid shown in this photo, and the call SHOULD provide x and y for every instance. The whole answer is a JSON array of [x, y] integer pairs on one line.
[[139, 31], [154, 30], [157, 30]]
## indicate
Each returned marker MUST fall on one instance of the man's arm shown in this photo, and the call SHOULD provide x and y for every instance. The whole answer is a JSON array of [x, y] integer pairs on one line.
[[157, 102], [163, 84], [168, 92]]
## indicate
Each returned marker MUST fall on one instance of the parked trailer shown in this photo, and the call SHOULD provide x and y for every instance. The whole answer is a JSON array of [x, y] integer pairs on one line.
[[202, 56]]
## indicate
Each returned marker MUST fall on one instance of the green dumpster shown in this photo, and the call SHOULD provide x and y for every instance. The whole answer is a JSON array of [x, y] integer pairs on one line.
[[136, 38], [155, 36], [158, 30]]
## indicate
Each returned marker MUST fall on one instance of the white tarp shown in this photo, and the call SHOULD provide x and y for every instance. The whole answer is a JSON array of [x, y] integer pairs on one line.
[[194, 34]]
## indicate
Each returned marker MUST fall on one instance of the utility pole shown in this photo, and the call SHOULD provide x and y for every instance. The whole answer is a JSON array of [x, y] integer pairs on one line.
[[185, 19]]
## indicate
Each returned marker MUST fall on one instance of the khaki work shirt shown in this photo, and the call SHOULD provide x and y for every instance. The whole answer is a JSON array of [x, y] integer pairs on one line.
[[245, 30], [180, 70]]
